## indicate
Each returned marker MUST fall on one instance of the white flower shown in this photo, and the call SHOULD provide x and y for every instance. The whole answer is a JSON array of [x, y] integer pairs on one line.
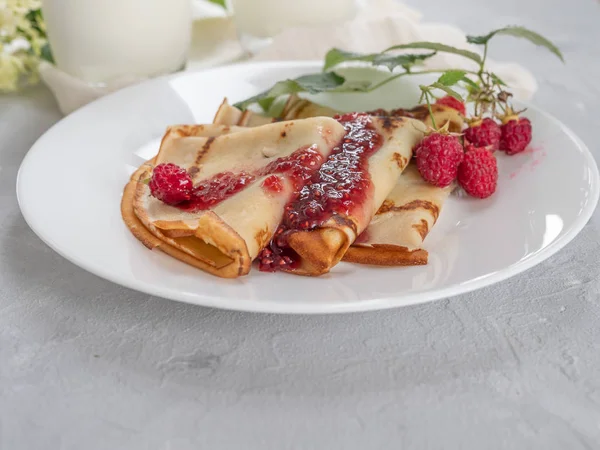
[[21, 6], [8, 22], [10, 71], [22, 42]]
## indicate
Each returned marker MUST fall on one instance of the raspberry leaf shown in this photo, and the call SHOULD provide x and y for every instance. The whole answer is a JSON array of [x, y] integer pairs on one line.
[[436, 46], [470, 83], [497, 79], [353, 86], [519, 32], [266, 103], [335, 56], [451, 77], [317, 82], [406, 61], [448, 90], [312, 83]]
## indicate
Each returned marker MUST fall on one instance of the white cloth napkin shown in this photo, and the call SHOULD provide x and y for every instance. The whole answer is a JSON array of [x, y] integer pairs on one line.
[[380, 24], [386, 23]]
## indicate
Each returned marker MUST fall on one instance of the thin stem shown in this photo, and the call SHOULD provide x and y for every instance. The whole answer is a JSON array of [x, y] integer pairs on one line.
[[430, 110], [502, 107], [399, 75], [482, 64], [485, 52]]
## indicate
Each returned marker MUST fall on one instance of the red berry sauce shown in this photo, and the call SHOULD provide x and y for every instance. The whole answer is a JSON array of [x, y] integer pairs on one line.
[[299, 167], [272, 184], [214, 190], [340, 185]]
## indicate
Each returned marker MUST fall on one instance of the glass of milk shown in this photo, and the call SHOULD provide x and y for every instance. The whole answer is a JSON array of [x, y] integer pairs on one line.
[[257, 21], [100, 41]]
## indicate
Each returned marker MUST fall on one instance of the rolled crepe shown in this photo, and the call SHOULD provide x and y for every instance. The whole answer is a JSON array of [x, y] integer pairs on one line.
[[395, 235], [230, 115], [342, 197], [207, 130], [223, 237], [298, 108], [302, 109]]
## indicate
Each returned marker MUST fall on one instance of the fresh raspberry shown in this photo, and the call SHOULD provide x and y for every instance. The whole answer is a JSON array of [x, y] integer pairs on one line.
[[171, 184], [452, 102], [484, 134], [478, 172], [516, 135], [438, 156]]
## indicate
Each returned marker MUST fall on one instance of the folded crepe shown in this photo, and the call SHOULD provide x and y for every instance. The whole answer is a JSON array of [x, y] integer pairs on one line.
[[396, 234], [342, 197], [230, 115], [243, 178], [299, 108], [138, 229]]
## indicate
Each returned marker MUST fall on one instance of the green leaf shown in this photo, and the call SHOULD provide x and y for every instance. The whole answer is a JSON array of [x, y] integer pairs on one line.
[[520, 32], [448, 90], [219, 2], [353, 86], [451, 77], [319, 82], [336, 56], [435, 46], [393, 61], [46, 53], [497, 79], [266, 103], [312, 83], [470, 82]]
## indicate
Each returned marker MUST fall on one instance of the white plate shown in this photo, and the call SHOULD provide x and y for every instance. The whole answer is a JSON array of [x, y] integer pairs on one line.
[[70, 184]]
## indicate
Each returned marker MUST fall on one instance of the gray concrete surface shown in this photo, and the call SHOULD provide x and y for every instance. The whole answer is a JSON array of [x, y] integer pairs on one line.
[[85, 364]]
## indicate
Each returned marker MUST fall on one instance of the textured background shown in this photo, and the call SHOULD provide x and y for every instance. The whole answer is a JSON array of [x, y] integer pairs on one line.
[[85, 364]]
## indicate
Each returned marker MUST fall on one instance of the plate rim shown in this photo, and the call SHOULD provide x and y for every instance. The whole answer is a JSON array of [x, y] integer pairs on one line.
[[271, 307]]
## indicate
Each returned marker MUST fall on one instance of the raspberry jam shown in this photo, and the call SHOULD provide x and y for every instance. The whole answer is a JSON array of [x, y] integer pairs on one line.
[[272, 184], [298, 167], [213, 191], [340, 185]]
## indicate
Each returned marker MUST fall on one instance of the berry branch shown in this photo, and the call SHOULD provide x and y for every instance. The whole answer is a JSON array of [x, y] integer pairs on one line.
[[442, 158], [481, 92]]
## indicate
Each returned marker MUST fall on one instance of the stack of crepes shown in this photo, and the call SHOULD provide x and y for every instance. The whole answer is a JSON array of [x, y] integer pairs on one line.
[[298, 193]]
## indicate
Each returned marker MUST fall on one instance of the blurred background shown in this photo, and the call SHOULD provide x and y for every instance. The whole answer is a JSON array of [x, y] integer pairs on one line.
[[82, 49]]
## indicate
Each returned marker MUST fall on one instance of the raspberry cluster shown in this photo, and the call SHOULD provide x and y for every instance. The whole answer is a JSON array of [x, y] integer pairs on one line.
[[443, 158]]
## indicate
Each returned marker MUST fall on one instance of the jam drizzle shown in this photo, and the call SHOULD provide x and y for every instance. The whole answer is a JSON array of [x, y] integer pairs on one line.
[[214, 190], [340, 185], [298, 167], [272, 184]]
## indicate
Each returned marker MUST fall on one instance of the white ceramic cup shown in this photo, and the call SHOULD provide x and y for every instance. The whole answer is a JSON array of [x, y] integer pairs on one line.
[[103, 40]]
